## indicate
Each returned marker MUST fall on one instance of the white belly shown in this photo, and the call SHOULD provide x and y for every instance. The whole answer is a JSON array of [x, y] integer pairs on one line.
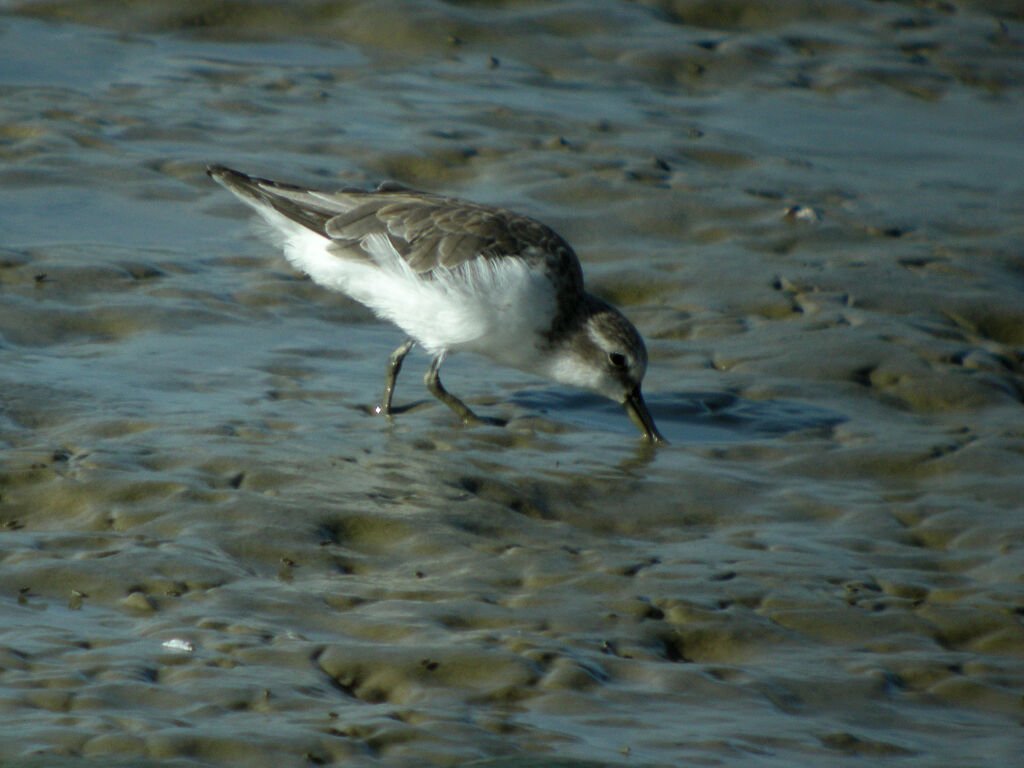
[[494, 307]]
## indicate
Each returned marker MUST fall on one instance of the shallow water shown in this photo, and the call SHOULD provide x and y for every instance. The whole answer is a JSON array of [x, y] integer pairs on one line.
[[212, 554]]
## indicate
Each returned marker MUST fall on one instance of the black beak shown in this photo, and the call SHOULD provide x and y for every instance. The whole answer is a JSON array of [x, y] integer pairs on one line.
[[639, 415]]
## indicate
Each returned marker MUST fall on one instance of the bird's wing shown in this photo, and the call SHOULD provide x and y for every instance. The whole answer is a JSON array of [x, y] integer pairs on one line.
[[301, 205], [428, 231]]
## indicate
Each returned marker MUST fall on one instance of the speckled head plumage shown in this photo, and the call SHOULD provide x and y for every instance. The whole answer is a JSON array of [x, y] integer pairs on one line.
[[603, 352]]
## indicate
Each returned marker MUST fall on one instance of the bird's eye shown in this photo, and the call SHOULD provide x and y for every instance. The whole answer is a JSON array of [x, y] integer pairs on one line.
[[617, 360]]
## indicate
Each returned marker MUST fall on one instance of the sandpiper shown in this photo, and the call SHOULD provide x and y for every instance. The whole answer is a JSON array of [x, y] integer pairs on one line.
[[457, 276]]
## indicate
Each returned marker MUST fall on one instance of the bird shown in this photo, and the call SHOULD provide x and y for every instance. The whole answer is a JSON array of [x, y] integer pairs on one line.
[[456, 276]]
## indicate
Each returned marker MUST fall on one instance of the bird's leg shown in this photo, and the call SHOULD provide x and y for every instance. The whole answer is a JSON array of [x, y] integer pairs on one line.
[[394, 367], [433, 382]]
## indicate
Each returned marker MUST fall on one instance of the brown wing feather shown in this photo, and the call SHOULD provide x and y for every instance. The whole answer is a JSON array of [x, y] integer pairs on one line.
[[432, 231], [429, 231]]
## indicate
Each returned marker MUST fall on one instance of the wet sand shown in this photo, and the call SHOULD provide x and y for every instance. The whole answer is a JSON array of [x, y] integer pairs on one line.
[[211, 553]]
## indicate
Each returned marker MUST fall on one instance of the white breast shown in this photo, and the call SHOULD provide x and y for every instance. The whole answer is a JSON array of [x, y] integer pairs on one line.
[[494, 307]]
